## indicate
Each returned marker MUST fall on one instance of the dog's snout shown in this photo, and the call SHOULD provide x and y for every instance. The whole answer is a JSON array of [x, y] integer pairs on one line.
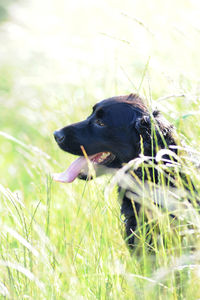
[[59, 136]]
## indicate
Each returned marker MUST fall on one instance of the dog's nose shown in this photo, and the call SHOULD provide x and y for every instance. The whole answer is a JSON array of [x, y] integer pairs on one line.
[[59, 136]]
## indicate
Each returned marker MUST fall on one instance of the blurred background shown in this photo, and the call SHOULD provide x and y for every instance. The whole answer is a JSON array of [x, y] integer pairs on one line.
[[57, 59]]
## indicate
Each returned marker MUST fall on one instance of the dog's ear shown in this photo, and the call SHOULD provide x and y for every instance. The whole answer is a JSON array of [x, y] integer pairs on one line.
[[147, 122], [164, 131], [143, 126]]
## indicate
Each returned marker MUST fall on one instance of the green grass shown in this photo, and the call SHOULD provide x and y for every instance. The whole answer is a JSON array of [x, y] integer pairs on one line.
[[65, 241]]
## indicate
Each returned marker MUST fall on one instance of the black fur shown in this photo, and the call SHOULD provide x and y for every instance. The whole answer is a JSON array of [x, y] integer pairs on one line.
[[125, 127]]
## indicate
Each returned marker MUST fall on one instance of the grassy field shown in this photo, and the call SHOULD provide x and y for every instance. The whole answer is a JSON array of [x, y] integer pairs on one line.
[[58, 58]]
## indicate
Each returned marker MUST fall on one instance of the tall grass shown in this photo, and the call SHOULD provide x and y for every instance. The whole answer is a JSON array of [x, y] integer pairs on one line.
[[66, 241]]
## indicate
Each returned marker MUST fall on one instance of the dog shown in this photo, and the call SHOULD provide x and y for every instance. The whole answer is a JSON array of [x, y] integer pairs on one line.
[[118, 131]]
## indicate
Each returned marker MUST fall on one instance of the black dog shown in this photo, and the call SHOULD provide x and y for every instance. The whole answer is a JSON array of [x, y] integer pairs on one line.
[[118, 131]]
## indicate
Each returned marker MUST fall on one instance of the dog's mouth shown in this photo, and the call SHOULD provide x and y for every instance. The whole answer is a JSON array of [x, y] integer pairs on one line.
[[80, 166]]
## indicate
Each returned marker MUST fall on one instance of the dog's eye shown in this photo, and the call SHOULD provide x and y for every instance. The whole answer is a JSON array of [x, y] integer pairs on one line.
[[99, 123]]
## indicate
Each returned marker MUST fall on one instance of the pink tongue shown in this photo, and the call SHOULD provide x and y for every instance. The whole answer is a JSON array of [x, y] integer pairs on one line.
[[72, 172]]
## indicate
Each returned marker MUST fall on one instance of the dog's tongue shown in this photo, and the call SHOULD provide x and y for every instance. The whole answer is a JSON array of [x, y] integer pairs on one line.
[[72, 172], [78, 165]]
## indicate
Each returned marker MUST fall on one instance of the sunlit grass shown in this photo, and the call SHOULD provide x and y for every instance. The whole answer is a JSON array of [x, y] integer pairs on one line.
[[59, 58]]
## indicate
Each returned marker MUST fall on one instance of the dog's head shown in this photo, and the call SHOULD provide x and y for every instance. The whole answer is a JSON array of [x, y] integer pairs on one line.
[[110, 136]]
